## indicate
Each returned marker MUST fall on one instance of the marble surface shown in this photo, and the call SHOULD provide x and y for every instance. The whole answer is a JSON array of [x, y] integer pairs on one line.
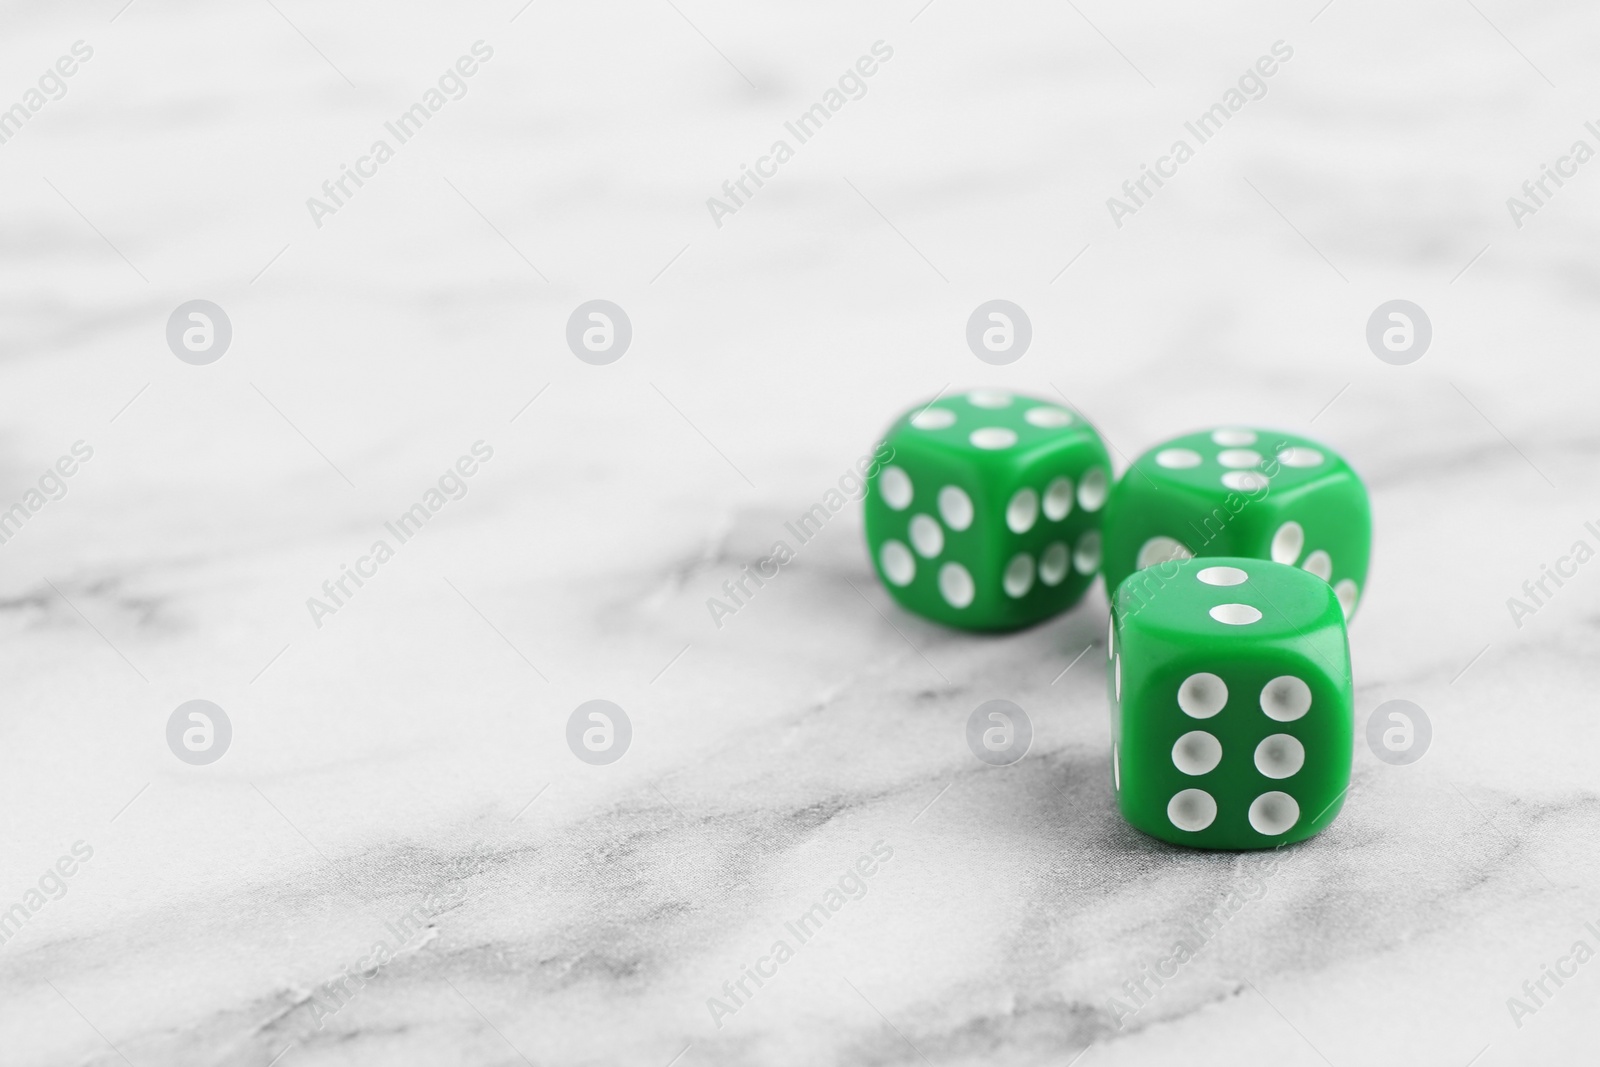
[[400, 772]]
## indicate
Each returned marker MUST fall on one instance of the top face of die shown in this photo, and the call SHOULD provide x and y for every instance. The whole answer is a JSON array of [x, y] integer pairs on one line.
[[990, 422], [1240, 460], [1222, 597]]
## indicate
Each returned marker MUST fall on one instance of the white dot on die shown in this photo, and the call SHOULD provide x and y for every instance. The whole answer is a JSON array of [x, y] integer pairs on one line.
[[1197, 752], [1320, 564], [1222, 575], [956, 507], [898, 565], [1280, 756], [1057, 499], [1023, 511], [1116, 766], [1092, 489], [1202, 695], [1287, 542], [1238, 458], [1053, 564], [1018, 578], [1048, 418], [895, 485], [989, 398], [1234, 438], [927, 537], [993, 437], [933, 419], [1299, 456], [1177, 458], [1285, 698], [1111, 636], [1346, 592], [1244, 481], [1160, 550], [1086, 557], [1235, 614], [1192, 810], [955, 582], [1274, 813]]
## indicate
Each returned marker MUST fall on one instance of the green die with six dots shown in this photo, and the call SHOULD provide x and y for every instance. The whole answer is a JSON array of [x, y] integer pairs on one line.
[[1231, 702]]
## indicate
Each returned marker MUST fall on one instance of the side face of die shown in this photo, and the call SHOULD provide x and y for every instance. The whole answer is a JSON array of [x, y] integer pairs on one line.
[[1232, 719], [1243, 492], [987, 513]]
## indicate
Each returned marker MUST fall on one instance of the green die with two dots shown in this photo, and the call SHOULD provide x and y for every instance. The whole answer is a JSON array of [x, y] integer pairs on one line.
[[1232, 720], [986, 515], [1242, 492]]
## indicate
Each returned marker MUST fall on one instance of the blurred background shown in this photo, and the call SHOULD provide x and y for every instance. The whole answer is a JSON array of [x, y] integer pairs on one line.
[[410, 748]]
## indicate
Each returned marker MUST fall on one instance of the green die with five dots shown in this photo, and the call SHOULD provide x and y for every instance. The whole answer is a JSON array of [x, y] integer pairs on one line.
[[1232, 719], [1242, 492], [986, 515]]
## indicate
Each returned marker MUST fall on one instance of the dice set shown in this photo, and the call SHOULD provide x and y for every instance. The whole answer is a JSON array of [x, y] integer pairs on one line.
[[1233, 559]]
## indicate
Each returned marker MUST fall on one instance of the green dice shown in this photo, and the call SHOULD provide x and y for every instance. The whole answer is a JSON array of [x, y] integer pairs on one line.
[[986, 515], [1231, 702], [1241, 492]]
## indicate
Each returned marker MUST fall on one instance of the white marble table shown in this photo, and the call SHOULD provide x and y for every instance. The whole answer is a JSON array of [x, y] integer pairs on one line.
[[409, 752]]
